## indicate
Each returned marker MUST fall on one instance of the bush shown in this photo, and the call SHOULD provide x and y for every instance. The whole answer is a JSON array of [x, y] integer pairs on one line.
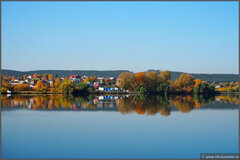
[[83, 86], [143, 89], [204, 88]]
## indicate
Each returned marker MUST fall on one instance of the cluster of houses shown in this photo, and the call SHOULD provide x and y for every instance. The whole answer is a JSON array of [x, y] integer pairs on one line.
[[98, 84]]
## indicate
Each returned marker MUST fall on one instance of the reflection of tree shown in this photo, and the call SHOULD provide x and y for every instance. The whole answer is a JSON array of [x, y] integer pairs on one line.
[[184, 104], [187, 103], [228, 99], [125, 105], [140, 104], [139, 108]]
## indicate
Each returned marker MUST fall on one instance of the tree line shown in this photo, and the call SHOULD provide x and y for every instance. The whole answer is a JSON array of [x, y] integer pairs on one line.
[[152, 83]]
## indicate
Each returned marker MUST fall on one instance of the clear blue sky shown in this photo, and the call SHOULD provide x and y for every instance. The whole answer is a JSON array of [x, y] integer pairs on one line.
[[194, 37]]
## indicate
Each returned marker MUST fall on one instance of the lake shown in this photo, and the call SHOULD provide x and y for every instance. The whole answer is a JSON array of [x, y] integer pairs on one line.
[[60, 126]]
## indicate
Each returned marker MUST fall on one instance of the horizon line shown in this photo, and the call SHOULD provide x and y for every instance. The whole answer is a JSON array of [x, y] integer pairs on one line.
[[115, 70]]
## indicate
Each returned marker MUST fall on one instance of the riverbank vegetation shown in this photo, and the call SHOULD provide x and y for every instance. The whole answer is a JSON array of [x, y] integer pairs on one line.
[[151, 83], [147, 83]]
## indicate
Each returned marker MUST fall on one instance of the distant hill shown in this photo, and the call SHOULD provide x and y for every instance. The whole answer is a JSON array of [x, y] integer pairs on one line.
[[114, 73], [60, 73]]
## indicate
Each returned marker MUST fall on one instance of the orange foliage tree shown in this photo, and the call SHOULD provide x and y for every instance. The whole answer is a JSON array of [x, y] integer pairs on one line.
[[57, 83], [39, 84], [50, 77], [139, 79], [22, 87], [184, 83]]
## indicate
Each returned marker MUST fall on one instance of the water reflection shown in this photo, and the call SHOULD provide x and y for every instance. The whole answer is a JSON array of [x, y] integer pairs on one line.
[[125, 104]]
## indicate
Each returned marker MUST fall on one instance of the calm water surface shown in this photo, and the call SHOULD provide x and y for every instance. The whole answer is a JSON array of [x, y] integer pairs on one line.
[[57, 126]]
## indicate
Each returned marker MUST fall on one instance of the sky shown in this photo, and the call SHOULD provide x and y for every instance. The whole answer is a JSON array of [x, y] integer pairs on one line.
[[193, 37]]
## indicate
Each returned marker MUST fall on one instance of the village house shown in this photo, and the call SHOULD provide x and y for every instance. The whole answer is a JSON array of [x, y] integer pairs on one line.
[[30, 77], [74, 77]]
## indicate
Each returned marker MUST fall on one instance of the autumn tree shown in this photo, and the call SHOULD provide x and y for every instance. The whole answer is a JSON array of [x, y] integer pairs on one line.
[[51, 85], [225, 84], [151, 82], [3, 90], [126, 80], [50, 77], [67, 86], [184, 83], [237, 84], [22, 87], [92, 79], [140, 79], [204, 88], [197, 82], [163, 81], [231, 84], [165, 76], [36, 75], [57, 83], [24, 77], [39, 84]]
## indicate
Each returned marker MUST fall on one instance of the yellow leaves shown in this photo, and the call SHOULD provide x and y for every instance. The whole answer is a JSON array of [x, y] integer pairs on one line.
[[92, 79], [22, 87], [184, 83], [24, 77], [36, 75], [139, 108], [57, 83], [39, 84], [3, 90], [50, 77], [197, 82], [165, 76], [51, 85], [139, 78]]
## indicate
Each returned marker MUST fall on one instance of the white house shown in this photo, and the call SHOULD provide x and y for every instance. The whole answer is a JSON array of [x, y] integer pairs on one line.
[[101, 88]]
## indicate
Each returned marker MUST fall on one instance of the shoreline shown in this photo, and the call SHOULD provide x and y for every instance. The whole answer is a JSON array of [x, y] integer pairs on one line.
[[110, 92]]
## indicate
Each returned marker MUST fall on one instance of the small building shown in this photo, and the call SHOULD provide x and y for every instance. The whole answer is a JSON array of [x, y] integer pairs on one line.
[[101, 88], [107, 89], [30, 77], [76, 76], [96, 84]]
